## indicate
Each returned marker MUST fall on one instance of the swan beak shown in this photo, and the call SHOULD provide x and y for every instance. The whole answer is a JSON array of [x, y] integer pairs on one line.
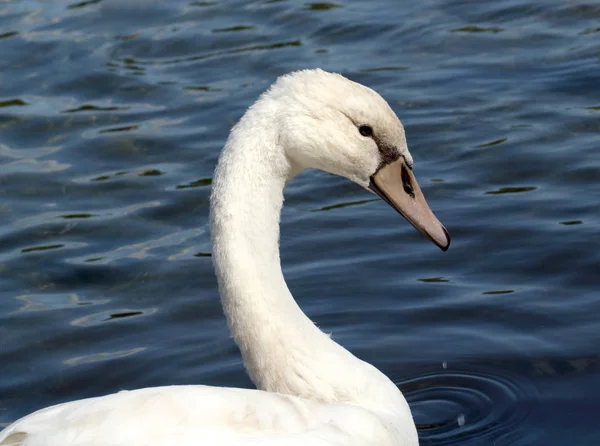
[[397, 185]]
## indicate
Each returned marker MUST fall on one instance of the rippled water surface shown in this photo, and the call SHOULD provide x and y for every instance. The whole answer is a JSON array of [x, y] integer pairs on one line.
[[113, 113]]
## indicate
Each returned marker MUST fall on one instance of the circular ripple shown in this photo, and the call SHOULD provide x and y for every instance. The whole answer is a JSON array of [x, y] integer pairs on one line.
[[454, 406]]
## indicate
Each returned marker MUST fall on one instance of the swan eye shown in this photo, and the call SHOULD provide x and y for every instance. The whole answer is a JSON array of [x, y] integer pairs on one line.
[[365, 130]]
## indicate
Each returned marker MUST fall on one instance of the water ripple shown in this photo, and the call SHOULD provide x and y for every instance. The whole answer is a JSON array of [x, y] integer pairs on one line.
[[453, 405]]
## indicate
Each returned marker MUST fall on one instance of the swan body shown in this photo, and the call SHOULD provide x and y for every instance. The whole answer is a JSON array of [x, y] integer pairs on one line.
[[311, 390], [199, 415]]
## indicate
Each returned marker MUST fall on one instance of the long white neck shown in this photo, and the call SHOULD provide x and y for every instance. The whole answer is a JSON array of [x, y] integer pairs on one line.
[[283, 350]]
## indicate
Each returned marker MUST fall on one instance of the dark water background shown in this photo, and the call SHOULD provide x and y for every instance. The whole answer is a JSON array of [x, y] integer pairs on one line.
[[112, 115]]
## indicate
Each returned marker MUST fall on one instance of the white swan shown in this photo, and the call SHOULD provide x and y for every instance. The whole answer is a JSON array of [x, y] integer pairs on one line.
[[312, 390]]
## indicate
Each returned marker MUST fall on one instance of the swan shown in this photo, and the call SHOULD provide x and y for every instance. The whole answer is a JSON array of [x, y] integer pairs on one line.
[[311, 391]]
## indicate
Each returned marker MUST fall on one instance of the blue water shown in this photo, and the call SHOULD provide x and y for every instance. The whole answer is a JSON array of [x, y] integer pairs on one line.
[[112, 115]]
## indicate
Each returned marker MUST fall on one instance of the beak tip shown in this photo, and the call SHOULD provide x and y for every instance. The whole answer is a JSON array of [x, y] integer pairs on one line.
[[448, 240]]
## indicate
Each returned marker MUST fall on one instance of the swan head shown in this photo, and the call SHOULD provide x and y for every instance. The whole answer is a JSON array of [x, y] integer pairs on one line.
[[330, 123]]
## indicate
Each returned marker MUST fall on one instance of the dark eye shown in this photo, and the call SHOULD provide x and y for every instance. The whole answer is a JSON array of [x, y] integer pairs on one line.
[[365, 130]]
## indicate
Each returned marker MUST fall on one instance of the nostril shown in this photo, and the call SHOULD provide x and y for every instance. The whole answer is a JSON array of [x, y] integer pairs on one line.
[[406, 183]]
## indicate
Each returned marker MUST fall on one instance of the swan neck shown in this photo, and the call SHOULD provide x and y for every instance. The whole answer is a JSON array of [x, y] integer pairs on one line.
[[246, 204], [283, 350]]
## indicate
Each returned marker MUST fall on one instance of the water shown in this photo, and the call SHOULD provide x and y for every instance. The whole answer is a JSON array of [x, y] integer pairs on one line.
[[112, 115]]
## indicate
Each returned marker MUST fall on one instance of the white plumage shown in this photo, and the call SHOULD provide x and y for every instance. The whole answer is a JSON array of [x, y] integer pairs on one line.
[[312, 390]]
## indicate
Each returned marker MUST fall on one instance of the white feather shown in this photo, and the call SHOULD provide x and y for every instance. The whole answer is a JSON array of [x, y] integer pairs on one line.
[[312, 390]]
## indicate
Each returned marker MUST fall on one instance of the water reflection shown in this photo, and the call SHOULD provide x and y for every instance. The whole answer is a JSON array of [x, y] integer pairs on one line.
[[104, 356], [198, 183], [55, 301], [143, 250], [498, 292], [93, 108], [111, 316], [477, 29], [323, 6], [42, 248], [13, 103], [344, 205], [233, 29], [511, 190], [492, 143], [433, 280]]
